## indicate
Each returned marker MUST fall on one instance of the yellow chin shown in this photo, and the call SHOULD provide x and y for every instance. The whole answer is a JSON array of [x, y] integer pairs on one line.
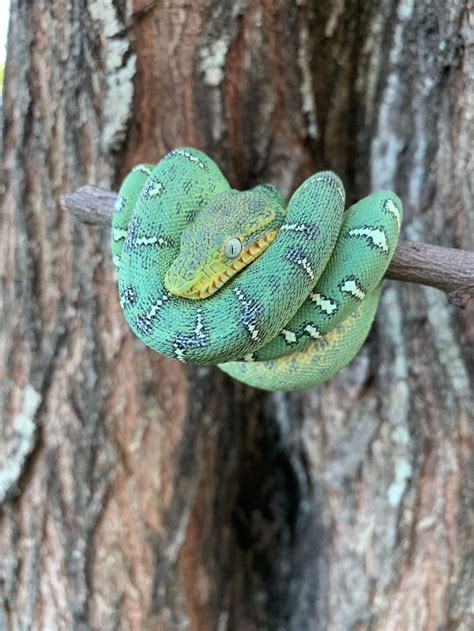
[[205, 287]]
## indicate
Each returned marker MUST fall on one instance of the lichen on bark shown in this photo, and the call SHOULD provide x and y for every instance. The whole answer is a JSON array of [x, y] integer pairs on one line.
[[150, 495]]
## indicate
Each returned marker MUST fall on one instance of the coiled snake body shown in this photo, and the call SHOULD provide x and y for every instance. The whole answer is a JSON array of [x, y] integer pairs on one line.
[[310, 283]]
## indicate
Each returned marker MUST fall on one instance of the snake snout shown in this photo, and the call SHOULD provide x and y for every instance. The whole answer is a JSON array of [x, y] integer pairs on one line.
[[177, 284]]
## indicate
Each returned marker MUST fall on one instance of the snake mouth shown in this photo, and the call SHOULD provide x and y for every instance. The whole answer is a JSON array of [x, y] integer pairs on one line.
[[208, 279]]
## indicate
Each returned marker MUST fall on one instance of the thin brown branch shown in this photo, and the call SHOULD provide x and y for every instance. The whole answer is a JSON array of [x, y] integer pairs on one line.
[[447, 269]]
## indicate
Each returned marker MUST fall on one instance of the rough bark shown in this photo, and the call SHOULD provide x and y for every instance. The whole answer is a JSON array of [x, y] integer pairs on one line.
[[138, 494]]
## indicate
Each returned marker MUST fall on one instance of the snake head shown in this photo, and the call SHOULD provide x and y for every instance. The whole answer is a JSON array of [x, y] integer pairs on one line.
[[230, 232]]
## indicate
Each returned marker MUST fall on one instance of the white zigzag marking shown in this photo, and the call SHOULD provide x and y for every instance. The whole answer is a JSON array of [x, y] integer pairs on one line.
[[156, 307], [179, 354], [198, 332], [289, 336], [295, 227], [249, 357], [150, 241], [253, 331], [291, 226], [375, 235], [119, 203], [143, 168], [119, 234], [189, 156], [157, 190], [199, 324], [393, 210], [351, 287], [312, 331], [325, 304], [309, 181], [304, 263], [250, 327]]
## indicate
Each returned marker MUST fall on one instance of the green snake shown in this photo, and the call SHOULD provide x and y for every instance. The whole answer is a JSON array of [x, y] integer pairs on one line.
[[279, 296]]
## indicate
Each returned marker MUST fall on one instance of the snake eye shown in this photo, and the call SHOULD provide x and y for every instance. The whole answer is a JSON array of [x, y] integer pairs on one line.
[[232, 247]]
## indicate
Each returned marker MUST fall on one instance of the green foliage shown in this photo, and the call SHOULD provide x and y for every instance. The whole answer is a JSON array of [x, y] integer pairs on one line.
[[2, 70]]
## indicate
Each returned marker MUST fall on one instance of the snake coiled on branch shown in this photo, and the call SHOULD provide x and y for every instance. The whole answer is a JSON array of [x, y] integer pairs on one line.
[[280, 296]]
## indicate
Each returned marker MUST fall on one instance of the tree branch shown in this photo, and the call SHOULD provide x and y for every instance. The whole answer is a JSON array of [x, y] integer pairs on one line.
[[447, 269]]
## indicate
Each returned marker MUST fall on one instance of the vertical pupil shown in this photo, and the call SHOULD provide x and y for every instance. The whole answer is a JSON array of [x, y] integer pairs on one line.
[[233, 248]]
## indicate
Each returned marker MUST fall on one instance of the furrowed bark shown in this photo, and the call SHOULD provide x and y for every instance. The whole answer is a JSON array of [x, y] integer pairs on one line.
[[140, 494]]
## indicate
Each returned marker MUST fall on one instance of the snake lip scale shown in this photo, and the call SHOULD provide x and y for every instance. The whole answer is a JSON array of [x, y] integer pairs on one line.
[[215, 279], [279, 295]]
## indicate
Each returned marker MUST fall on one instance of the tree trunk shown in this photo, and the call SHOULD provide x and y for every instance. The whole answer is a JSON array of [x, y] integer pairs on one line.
[[140, 494]]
